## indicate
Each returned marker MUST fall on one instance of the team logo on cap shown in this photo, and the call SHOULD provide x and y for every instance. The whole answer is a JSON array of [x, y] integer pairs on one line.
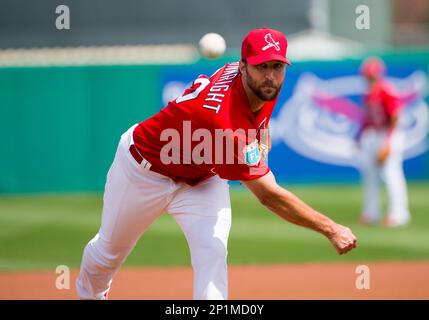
[[271, 42]]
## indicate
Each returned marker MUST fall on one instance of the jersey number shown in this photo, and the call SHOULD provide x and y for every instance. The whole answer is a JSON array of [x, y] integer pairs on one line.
[[202, 82]]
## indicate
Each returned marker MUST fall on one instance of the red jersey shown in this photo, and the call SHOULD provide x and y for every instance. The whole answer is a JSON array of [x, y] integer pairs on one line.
[[181, 141], [381, 106]]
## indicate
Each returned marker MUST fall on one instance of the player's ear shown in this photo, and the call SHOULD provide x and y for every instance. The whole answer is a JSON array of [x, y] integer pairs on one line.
[[242, 65]]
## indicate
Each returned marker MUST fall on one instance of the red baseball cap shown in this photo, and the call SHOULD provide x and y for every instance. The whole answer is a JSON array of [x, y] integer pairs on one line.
[[373, 67], [262, 45]]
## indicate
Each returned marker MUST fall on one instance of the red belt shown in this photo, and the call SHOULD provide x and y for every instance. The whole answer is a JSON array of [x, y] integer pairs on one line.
[[138, 157]]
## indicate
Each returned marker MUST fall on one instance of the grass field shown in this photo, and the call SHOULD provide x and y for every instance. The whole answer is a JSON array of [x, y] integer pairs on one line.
[[43, 231]]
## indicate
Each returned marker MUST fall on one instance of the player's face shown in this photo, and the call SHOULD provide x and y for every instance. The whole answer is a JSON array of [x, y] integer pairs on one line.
[[265, 79], [371, 80]]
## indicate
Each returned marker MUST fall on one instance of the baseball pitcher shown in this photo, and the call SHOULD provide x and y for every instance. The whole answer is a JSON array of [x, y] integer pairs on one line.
[[179, 161]]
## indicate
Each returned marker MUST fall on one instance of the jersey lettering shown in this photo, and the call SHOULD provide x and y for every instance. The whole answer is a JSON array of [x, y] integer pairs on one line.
[[203, 83]]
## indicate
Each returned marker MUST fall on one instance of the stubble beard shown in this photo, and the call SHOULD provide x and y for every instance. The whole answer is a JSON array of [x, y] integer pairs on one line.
[[258, 90]]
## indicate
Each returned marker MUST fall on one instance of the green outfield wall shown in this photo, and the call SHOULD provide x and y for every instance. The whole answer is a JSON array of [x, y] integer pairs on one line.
[[59, 126]]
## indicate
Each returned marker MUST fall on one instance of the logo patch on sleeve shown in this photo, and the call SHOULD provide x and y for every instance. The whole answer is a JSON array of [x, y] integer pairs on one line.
[[252, 154]]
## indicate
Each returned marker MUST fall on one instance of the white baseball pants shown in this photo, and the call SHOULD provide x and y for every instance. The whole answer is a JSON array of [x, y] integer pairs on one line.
[[134, 197], [391, 172]]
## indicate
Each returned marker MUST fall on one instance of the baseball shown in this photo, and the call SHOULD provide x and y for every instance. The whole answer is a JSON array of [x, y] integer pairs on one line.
[[212, 45]]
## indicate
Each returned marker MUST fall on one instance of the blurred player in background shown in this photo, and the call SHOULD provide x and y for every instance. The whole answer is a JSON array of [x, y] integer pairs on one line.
[[381, 144]]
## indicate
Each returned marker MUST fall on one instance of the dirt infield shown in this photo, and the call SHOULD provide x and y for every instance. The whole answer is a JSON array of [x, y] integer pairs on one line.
[[388, 280]]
